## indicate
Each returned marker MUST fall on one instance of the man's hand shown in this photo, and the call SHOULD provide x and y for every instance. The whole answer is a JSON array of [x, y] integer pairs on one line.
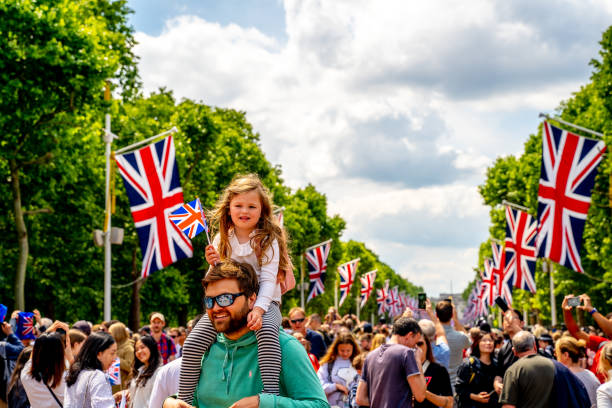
[[212, 257], [498, 384], [254, 318], [429, 310], [176, 403], [247, 402], [37, 315], [586, 303], [15, 314], [482, 397], [7, 329]]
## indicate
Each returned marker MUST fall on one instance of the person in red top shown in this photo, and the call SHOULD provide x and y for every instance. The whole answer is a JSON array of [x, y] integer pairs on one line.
[[164, 343], [313, 359], [594, 343]]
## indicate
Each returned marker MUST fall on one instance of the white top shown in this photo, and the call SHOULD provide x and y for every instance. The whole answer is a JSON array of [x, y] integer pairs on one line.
[[140, 395], [166, 383], [604, 395], [38, 394], [590, 382], [91, 389], [269, 288]]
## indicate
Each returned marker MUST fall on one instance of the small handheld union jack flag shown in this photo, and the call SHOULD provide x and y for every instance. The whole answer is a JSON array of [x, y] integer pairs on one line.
[[3, 311], [25, 326], [114, 372], [190, 219]]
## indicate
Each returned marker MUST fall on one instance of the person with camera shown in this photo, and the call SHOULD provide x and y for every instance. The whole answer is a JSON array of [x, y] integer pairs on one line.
[[475, 376]]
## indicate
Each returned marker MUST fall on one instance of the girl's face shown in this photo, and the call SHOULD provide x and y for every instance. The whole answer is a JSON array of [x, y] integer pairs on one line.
[[107, 356], [142, 352], [245, 210], [487, 345], [423, 346], [345, 351]]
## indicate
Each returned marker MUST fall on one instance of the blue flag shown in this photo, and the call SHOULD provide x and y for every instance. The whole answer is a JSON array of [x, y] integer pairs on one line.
[[3, 311], [25, 326]]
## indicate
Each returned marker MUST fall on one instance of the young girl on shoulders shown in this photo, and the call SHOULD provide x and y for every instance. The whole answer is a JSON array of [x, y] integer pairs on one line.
[[247, 231]]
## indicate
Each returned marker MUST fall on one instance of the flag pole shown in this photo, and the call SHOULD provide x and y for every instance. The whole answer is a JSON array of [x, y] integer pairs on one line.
[[108, 140], [515, 206], [336, 295], [547, 267], [134, 145], [302, 281], [558, 119]]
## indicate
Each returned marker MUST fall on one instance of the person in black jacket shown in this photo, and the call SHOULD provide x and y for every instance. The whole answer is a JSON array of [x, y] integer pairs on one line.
[[439, 392], [474, 386]]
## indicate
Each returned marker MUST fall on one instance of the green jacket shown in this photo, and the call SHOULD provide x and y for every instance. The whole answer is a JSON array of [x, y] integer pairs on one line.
[[230, 372]]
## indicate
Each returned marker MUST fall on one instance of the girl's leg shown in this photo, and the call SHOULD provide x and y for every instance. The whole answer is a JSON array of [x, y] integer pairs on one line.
[[202, 336], [269, 351]]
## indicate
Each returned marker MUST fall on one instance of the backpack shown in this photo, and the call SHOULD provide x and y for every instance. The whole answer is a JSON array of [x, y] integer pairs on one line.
[[6, 369]]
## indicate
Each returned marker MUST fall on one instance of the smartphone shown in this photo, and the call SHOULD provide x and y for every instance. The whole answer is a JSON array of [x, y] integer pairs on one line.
[[422, 297], [491, 393], [499, 301], [573, 301]]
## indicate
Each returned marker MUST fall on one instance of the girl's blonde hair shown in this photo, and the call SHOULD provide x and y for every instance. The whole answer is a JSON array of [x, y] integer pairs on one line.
[[605, 361], [575, 348], [378, 340], [267, 229], [341, 338]]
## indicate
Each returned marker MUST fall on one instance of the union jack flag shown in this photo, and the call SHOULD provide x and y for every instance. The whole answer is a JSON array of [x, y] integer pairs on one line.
[[279, 216], [367, 284], [569, 167], [521, 231], [25, 326], [190, 218], [381, 298], [395, 308], [114, 372], [151, 179], [488, 283], [347, 272], [3, 311], [504, 278], [316, 258]]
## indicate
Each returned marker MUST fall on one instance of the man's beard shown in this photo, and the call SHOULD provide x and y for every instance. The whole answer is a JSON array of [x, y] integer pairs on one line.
[[236, 322]]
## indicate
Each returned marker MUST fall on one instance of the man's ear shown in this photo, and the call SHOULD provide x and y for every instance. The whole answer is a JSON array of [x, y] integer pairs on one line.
[[514, 351], [252, 300]]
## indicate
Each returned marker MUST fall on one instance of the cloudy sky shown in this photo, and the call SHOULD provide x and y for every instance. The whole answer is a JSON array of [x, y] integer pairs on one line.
[[393, 109]]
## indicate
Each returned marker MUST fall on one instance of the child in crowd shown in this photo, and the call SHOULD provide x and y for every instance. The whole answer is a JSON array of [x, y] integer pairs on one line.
[[247, 232], [336, 372]]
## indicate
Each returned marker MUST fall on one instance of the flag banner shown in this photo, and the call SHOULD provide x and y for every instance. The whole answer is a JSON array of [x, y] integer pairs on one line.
[[482, 304], [381, 299], [190, 218], [25, 326], [367, 284], [347, 272], [521, 231], [114, 372], [316, 259], [395, 308], [504, 280], [280, 217], [3, 311], [488, 284], [151, 179], [567, 176]]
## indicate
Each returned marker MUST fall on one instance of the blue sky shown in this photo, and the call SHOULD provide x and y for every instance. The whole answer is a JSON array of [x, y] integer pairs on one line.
[[398, 107]]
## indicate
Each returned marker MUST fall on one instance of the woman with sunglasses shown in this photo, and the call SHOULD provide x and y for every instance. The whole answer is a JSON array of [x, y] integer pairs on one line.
[[439, 392], [146, 366], [474, 386]]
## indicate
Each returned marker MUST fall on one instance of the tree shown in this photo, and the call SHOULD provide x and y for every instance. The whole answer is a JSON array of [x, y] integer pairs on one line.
[[55, 58]]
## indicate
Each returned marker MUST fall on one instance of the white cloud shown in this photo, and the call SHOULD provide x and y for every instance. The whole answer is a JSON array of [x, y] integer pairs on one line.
[[409, 101]]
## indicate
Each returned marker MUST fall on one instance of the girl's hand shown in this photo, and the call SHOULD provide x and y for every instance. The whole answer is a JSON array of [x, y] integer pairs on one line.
[[482, 397], [212, 257], [342, 388], [254, 318]]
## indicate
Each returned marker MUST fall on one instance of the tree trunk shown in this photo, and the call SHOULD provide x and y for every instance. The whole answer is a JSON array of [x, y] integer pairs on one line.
[[22, 237], [134, 319]]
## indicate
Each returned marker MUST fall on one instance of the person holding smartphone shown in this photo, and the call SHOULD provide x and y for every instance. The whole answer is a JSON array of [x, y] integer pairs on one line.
[[475, 376]]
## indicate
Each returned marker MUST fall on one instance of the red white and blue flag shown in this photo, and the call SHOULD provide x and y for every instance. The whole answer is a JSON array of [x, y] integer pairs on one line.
[[488, 284], [25, 326], [347, 272], [3, 311], [395, 308], [504, 278], [521, 230], [151, 179], [280, 216], [567, 176], [381, 298], [316, 258], [367, 285], [114, 372], [190, 218]]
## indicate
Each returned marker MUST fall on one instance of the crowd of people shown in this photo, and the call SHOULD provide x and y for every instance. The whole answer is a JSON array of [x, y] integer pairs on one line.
[[243, 353]]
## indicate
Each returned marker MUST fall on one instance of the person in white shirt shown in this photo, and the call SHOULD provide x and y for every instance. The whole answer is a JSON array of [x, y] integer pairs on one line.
[[146, 367], [86, 383], [166, 383], [604, 392]]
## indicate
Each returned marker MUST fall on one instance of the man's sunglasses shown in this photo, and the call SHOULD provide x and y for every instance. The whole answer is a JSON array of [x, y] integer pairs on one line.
[[223, 300], [294, 321]]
